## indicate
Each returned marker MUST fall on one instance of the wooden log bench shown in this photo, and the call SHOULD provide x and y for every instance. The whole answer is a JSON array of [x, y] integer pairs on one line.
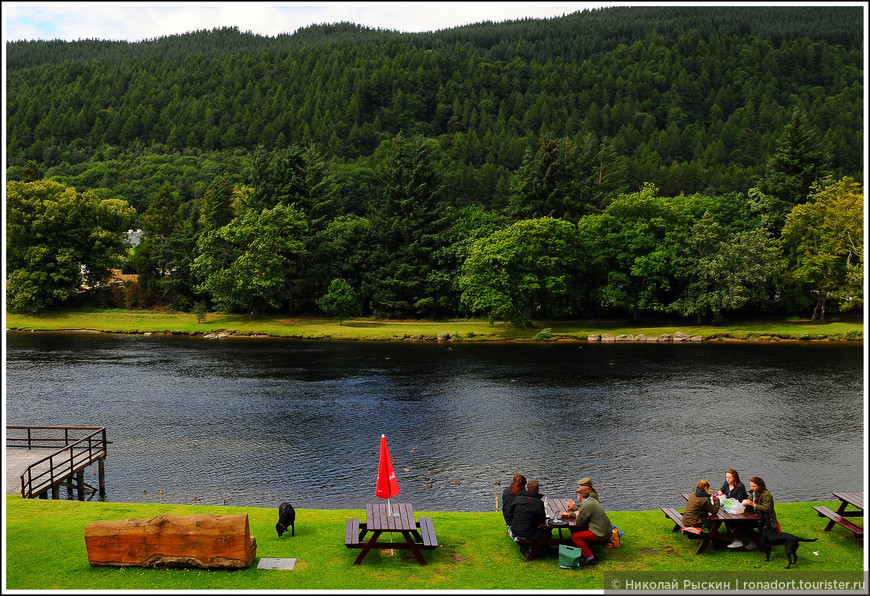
[[201, 540], [836, 518]]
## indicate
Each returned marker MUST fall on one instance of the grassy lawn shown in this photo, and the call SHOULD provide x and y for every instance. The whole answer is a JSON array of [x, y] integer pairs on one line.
[[45, 550], [140, 321]]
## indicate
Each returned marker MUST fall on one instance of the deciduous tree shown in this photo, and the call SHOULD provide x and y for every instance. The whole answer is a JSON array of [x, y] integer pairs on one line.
[[57, 240], [824, 243], [252, 262], [528, 268]]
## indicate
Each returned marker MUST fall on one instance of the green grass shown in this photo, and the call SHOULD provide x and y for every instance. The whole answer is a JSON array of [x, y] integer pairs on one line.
[[45, 550], [142, 321]]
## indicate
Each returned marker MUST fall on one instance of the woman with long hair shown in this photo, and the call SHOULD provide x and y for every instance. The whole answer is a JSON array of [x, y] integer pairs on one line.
[[733, 489], [509, 494], [761, 501]]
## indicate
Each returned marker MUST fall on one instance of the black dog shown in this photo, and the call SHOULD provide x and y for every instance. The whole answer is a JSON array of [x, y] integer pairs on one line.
[[286, 519], [771, 537]]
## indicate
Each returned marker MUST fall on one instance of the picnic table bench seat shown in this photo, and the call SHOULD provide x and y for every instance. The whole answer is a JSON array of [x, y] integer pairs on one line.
[[836, 518], [427, 533], [352, 533], [677, 517]]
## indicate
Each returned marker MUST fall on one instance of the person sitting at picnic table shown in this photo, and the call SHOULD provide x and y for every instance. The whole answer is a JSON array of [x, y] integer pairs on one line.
[[733, 489], [588, 512], [592, 492], [509, 494], [525, 515], [761, 501], [701, 504]]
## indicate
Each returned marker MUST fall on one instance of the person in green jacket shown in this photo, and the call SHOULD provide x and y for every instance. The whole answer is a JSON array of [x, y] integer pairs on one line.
[[590, 513], [760, 501], [592, 492], [701, 504]]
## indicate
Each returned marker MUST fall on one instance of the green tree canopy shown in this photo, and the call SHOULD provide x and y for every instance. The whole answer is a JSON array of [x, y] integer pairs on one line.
[[57, 240], [340, 300], [252, 262], [724, 272], [526, 269], [824, 243], [630, 252]]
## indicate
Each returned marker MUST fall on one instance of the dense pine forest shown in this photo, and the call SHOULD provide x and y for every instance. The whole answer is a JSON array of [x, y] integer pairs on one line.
[[705, 162]]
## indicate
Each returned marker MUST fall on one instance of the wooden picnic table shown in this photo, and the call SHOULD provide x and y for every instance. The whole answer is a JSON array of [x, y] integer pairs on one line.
[[418, 535], [554, 506], [855, 499], [745, 524]]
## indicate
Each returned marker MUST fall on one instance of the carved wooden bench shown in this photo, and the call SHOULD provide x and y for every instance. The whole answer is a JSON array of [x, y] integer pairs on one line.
[[201, 540]]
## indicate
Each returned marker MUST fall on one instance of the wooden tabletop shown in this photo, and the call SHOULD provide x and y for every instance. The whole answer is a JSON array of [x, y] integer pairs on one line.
[[856, 499], [399, 518], [554, 506], [722, 514]]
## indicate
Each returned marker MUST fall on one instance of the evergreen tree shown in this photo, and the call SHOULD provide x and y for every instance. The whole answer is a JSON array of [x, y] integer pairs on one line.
[[797, 165], [410, 221], [217, 210]]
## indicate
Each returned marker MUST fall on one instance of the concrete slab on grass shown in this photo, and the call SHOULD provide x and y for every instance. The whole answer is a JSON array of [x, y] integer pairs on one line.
[[273, 563]]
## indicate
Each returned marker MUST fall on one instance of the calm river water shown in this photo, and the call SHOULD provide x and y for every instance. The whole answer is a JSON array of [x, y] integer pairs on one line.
[[260, 421]]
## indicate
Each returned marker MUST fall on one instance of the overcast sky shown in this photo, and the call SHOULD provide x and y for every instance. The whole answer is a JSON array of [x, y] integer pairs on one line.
[[137, 21]]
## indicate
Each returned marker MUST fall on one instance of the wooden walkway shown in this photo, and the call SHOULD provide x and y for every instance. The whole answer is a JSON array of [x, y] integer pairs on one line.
[[42, 459], [17, 462]]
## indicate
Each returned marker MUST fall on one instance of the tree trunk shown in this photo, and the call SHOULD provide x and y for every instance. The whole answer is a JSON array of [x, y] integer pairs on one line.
[[819, 311], [700, 321], [635, 314], [201, 540]]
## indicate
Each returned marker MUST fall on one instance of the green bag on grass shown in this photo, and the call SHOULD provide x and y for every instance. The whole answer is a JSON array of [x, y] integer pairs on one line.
[[569, 557]]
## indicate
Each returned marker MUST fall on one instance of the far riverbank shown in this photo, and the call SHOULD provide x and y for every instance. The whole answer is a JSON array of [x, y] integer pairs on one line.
[[222, 325]]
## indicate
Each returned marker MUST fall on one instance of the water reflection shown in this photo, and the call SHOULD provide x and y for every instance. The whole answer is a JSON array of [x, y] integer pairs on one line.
[[260, 421]]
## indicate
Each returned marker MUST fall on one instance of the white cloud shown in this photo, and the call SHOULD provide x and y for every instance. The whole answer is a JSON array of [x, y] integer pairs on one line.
[[136, 21]]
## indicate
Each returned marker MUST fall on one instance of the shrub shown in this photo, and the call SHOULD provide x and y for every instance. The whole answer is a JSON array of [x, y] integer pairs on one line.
[[543, 334]]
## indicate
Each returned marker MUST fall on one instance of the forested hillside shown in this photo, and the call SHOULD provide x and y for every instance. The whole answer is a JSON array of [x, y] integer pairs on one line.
[[388, 155]]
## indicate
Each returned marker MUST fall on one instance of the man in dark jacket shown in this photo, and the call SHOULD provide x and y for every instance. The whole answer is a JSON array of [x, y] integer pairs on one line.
[[526, 514]]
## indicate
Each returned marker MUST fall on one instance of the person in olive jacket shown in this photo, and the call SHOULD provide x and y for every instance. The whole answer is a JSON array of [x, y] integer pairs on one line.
[[702, 503], [589, 513], [526, 513], [761, 501]]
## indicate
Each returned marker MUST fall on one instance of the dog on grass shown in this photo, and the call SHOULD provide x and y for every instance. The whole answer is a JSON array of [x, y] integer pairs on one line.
[[771, 537], [286, 519]]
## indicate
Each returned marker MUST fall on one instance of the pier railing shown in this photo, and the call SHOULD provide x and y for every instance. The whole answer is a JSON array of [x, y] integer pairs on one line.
[[72, 454]]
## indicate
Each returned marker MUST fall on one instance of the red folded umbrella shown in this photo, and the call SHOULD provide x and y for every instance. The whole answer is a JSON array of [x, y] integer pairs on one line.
[[387, 485]]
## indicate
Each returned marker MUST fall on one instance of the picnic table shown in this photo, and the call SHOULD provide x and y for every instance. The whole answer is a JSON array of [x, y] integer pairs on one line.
[[855, 499], [744, 524], [554, 506], [418, 535]]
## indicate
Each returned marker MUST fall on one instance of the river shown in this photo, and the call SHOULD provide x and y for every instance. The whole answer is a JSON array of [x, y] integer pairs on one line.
[[256, 421]]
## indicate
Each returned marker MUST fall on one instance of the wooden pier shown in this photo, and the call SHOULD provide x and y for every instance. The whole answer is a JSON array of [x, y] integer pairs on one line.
[[55, 457]]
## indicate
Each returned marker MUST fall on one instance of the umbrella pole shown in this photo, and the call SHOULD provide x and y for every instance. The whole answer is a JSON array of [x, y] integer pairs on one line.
[[389, 514]]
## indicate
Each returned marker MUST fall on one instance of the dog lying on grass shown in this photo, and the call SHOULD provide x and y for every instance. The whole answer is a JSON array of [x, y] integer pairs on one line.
[[771, 537], [286, 519]]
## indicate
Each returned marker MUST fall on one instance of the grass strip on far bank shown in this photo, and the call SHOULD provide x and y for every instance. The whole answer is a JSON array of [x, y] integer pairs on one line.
[[370, 329], [45, 550]]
